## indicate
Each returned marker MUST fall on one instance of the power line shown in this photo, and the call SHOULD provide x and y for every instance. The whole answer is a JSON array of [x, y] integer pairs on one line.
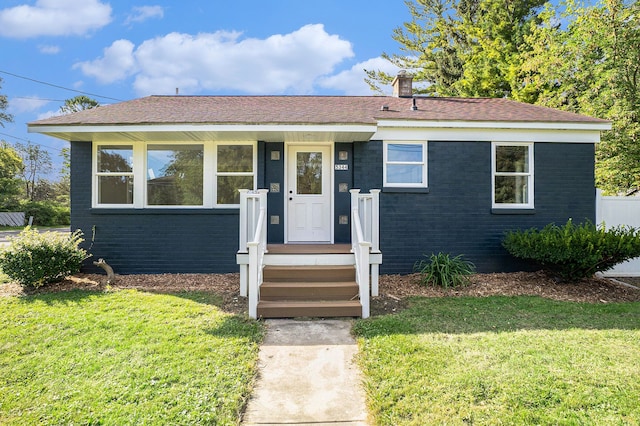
[[38, 99], [29, 141], [59, 87]]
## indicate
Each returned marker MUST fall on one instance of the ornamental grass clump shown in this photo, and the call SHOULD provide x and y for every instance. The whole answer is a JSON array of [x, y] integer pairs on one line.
[[443, 270], [574, 252], [35, 259]]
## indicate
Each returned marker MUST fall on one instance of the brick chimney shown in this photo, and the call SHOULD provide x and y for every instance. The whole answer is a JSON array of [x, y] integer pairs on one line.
[[403, 85]]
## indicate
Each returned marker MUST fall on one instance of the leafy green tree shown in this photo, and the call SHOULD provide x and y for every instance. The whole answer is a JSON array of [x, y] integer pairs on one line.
[[584, 59], [10, 167], [463, 47], [593, 67], [78, 103], [5, 117]]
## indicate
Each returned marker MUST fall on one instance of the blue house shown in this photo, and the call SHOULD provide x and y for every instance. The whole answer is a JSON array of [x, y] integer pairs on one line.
[[157, 185]]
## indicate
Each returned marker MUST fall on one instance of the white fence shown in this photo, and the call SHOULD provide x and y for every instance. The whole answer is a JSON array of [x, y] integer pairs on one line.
[[614, 211]]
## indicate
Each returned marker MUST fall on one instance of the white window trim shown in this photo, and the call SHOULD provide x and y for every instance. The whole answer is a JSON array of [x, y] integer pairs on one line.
[[140, 173], [530, 175], [423, 163]]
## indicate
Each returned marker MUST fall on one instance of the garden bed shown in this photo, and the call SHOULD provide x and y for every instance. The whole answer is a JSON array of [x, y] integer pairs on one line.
[[394, 289]]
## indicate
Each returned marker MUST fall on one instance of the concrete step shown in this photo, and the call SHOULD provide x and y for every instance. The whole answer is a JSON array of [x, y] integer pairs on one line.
[[294, 290], [294, 309]]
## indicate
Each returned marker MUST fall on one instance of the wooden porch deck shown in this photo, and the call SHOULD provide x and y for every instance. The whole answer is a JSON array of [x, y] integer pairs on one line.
[[309, 248]]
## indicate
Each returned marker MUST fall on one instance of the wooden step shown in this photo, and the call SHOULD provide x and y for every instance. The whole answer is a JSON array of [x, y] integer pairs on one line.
[[317, 290], [291, 309], [308, 273]]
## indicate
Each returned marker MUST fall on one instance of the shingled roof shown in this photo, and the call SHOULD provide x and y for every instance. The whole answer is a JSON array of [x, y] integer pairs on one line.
[[365, 110]]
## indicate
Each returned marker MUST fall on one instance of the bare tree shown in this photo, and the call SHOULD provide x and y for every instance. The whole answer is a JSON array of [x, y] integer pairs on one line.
[[37, 162]]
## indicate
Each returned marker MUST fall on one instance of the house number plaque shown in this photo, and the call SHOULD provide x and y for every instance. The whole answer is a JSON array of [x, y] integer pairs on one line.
[[341, 167]]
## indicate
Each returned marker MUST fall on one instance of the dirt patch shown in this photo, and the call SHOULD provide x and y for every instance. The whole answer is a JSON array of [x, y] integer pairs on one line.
[[394, 289]]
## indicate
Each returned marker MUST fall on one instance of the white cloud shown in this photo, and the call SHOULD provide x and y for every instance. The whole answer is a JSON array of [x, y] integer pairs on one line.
[[142, 13], [351, 81], [48, 49], [54, 18], [282, 63], [117, 63], [26, 104]]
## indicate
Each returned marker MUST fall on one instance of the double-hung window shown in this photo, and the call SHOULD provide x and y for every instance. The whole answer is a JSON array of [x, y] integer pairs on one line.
[[512, 174], [235, 165], [114, 177], [405, 164]]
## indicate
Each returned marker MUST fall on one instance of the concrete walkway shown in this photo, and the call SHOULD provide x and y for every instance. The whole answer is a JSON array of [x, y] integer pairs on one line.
[[307, 376]]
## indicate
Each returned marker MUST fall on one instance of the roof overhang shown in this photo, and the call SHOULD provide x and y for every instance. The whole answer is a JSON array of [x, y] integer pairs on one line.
[[459, 124], [497, 131], [208, 132]]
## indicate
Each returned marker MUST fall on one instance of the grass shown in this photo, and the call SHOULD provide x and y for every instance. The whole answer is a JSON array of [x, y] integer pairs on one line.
[[124, 357], [503, 360]]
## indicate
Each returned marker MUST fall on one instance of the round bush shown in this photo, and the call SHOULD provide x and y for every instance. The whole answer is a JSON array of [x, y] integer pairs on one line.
[[35, 259], [573, 252]]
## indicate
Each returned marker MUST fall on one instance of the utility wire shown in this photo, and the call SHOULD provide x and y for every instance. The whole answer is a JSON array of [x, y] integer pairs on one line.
[[33, 98], [29, 141], [59, 87]]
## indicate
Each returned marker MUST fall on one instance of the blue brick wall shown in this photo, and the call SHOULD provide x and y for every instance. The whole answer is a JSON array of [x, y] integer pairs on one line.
[[455, 215], [150, 240], [342, 200], [274, 174]]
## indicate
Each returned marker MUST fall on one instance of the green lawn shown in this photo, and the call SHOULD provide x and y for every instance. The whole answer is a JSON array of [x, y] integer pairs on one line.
[[503, 360], [124, 357]]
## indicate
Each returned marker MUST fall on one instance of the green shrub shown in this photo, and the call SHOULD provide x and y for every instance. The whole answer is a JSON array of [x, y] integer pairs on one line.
[[46, 213], [35, 259], [443, 270], [574, 252]]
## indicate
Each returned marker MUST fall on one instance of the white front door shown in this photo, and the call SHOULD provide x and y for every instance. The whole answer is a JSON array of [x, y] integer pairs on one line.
[[308, 193]]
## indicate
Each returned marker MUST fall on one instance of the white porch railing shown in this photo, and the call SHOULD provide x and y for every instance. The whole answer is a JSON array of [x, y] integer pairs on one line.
[[253, 242], [365, 243]]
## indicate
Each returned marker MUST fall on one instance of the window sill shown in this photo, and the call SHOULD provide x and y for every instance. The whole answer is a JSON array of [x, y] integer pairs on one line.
[[166, 211], [406, 190], [513, 211]]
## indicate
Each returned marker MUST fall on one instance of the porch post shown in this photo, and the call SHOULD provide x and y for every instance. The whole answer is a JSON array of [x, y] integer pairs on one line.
[[253, 279], [354, 203], [242, 246], [263, 204], [375, 238]]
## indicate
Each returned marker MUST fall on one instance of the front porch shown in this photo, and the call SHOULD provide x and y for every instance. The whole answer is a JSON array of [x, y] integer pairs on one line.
[[309, 280]]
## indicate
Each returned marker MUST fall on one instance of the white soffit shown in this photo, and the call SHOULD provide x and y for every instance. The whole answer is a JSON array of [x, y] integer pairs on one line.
[[226, 132]]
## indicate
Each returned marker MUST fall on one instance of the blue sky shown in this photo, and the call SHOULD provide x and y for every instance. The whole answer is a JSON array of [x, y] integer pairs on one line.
[[124, 50]]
